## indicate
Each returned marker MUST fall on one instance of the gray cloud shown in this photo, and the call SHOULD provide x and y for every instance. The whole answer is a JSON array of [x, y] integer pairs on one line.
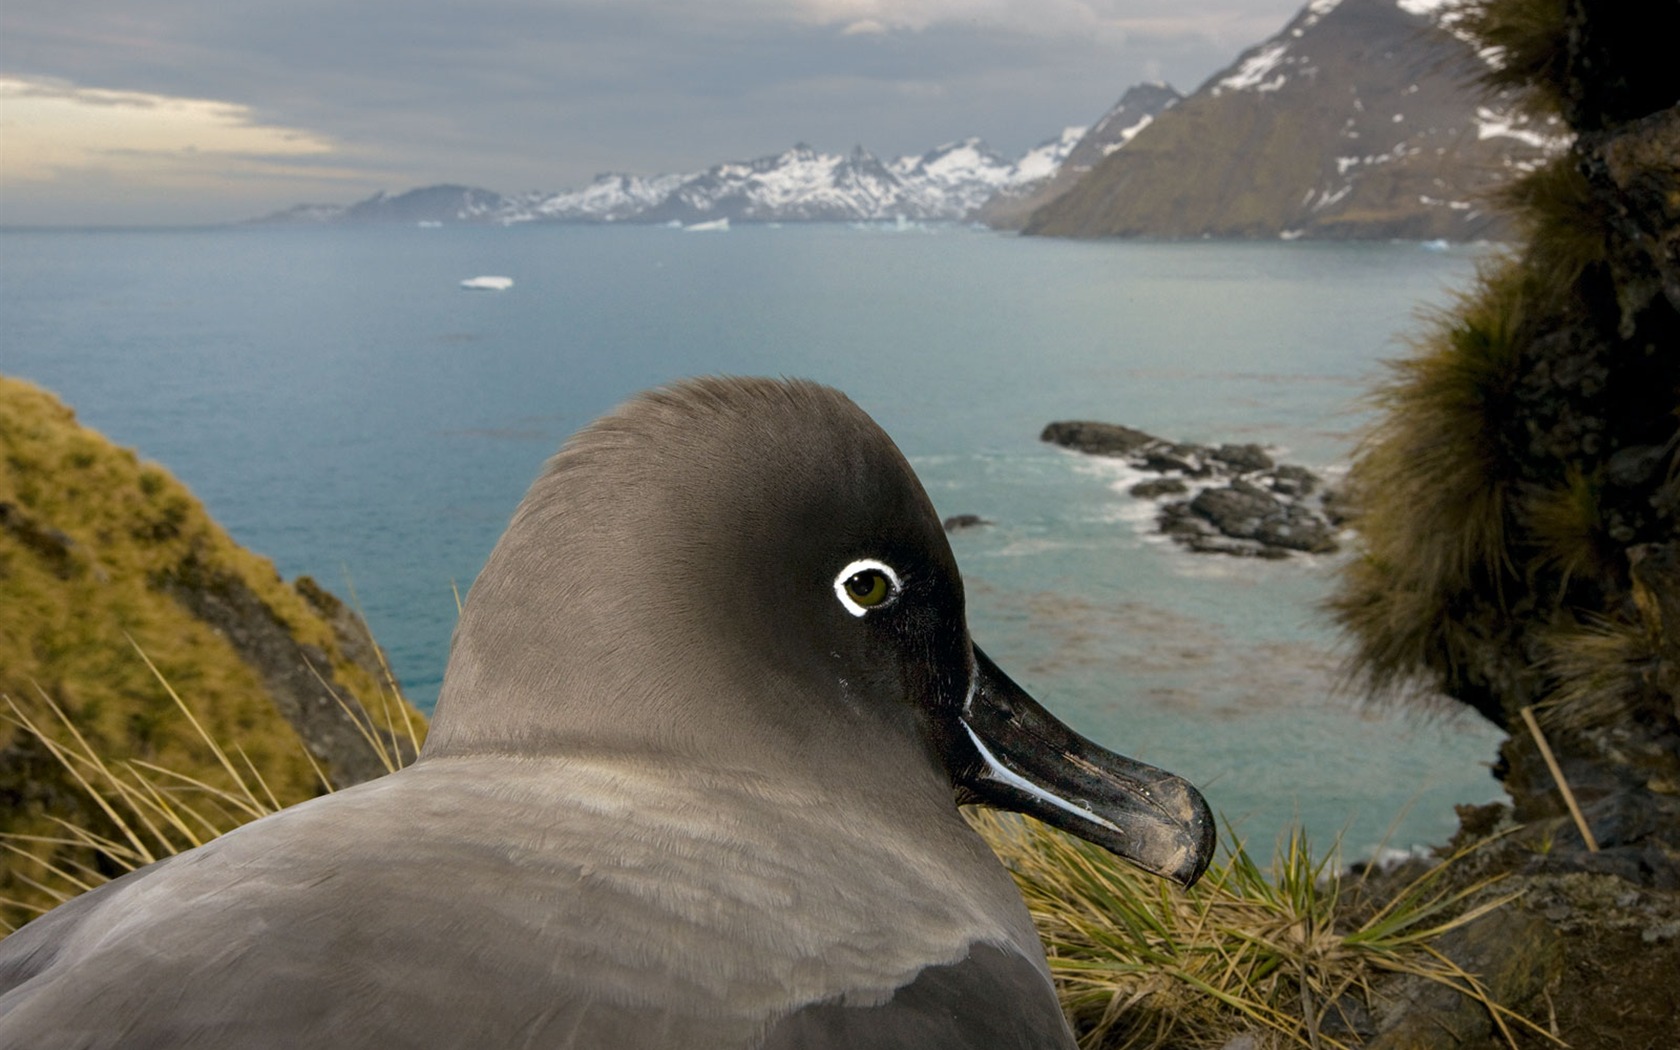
[[517, 94]]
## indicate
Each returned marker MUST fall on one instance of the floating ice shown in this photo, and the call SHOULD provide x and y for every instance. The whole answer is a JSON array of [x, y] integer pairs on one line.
[[487, 284]]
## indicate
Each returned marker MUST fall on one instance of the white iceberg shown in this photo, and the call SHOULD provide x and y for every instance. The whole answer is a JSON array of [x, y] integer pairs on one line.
[[716, 225], [487, 284]]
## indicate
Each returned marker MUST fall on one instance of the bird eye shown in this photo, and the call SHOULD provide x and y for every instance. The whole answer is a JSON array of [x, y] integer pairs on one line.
[[865, 585], [868, 588]]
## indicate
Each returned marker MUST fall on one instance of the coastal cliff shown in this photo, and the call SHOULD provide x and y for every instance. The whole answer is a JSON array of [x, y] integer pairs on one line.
[[1518, 515], [103, 558]]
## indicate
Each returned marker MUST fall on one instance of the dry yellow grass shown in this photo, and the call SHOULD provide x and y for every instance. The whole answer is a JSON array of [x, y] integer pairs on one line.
[[1274, 951]]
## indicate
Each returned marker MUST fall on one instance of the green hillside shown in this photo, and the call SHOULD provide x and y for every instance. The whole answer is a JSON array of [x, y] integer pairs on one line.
[[103, 557]]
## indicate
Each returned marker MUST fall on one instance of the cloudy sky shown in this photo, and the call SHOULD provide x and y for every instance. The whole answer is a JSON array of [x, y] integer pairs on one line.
[[187, 111]]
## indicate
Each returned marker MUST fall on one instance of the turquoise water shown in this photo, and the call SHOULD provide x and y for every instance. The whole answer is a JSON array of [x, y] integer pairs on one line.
[[344, 408]]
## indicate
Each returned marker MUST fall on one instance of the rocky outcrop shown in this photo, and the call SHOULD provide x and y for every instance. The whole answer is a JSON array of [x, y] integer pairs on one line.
[[1215, 499], [1585, 942], [297, 676]]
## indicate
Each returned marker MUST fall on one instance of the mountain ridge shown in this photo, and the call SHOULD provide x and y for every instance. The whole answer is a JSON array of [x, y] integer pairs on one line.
[[1358, 119], [801, 184]]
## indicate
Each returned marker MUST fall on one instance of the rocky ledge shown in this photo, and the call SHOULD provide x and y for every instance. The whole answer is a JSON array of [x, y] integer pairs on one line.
[[1216, 499]]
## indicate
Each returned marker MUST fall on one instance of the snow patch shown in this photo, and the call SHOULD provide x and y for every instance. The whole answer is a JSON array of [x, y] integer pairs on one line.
[[1127, 134], [1042, 160], [1329, 197], [1425, 8], [1317, 10], [1256, 68]]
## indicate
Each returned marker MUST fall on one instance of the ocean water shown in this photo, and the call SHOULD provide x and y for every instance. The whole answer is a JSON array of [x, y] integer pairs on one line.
[[343, 407]]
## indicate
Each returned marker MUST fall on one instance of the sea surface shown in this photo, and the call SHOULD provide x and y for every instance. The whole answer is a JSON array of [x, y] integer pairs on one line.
[[345, 408]]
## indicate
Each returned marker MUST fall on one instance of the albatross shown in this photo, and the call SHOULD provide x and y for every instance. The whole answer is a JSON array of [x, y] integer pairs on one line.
[[692, 782]]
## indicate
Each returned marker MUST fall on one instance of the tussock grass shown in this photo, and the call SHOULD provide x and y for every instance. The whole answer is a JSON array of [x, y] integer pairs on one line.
[[1497, 528], [1565, 528], [1433, 492], [1290, 953], [1567, 227], [1601, 670], [1530, 39], [149, 811]]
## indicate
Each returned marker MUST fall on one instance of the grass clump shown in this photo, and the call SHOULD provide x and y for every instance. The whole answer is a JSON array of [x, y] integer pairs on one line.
[[143, 811], [1434, 493], [1292, 955], [1524, 458]]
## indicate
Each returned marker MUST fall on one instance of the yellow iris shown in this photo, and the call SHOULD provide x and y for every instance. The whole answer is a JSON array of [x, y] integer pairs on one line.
[[868, 588]]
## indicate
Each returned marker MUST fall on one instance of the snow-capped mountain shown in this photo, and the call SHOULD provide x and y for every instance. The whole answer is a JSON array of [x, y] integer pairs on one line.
[[798, 185], [609, 198], [953, 180], [1360, 118], [1077, 152], [801, 184]]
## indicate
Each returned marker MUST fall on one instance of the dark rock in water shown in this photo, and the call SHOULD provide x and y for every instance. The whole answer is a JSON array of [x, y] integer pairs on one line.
[[1186, 460], [1291, 480], [964, 521], [1240, 500], [1244, 511], [1244, 458], [1234, 512], [1159, 487], [1196, 531], [1098, 439]]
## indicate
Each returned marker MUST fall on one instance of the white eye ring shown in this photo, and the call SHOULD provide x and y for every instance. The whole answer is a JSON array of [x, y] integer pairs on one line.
[[864, 565]]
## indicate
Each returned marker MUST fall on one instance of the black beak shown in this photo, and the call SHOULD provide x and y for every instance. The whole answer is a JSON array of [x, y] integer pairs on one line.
[[1013, 754]]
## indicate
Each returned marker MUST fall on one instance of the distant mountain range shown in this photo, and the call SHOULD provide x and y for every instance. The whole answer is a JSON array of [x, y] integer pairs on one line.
[[1359, 119], [798, 185]]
